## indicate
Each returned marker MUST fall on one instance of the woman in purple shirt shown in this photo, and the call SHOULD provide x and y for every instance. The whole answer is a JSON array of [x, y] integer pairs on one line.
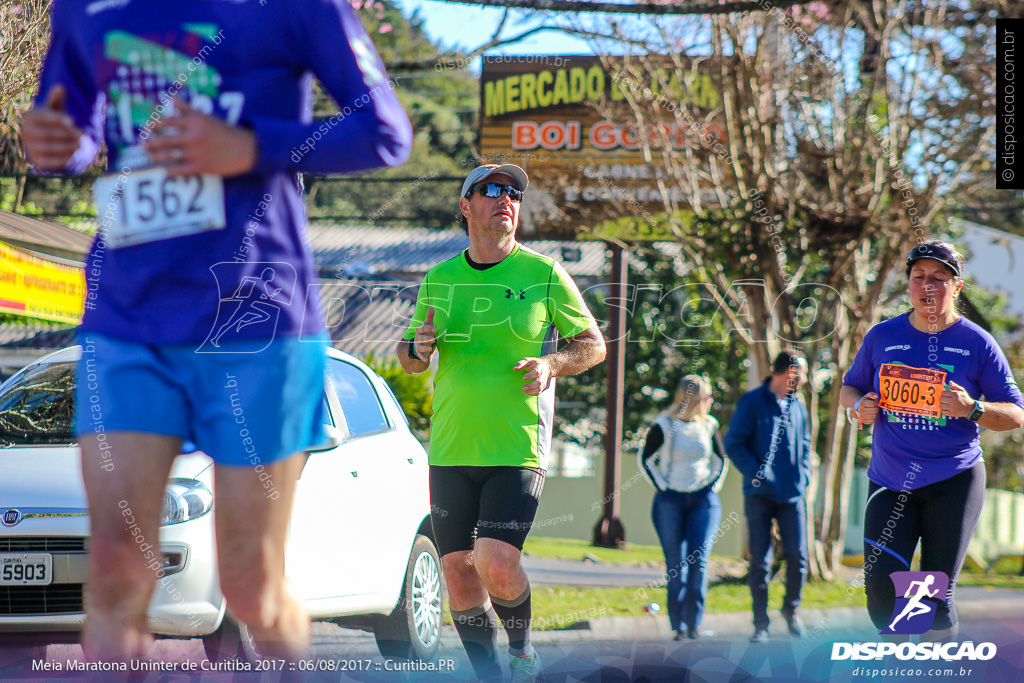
[[919, 378]]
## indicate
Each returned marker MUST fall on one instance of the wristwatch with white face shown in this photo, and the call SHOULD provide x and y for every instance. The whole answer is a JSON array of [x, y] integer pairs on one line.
[[979, 410]]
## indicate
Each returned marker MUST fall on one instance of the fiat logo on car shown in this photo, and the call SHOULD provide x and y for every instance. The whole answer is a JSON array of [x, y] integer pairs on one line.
[[12, 517]]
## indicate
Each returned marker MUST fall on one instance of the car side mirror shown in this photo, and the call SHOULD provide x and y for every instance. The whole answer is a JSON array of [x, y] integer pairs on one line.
[[332, 439]]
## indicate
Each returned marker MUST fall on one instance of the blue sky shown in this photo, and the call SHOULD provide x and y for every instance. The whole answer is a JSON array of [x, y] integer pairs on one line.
[[466, 27]]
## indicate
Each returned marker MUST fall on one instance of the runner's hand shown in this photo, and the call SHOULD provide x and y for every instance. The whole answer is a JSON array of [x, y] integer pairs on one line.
[[955, 401], [193, 143], [51, 137], [867, 410], [426, 337], [537, 376]]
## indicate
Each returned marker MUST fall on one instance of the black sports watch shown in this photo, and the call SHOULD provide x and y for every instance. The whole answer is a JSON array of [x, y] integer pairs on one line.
[[412, 349], [979, 410]]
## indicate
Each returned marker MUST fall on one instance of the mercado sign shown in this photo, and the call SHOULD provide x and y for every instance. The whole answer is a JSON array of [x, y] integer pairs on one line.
[[567, 121], [37, 287]]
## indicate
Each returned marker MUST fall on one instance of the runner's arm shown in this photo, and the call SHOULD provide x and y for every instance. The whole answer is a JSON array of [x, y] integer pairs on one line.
[[80, 102], [370, 130], [1004, 409], [414, 353], [583, 351], [1001, 416], [849, 395], [412, 366], [864, 405]]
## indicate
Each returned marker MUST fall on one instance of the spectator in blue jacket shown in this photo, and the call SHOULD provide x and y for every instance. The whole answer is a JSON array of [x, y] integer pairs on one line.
[[769, 441]]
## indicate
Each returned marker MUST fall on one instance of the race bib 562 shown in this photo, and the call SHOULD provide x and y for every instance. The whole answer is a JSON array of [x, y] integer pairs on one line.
[[151, 205]]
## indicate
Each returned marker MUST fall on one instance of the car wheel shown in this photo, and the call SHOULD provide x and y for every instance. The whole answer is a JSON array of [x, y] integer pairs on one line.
[[232, 641], [413, 630]]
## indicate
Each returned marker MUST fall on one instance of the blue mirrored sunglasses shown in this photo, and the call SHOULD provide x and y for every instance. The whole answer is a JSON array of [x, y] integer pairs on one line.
[[493, 190]]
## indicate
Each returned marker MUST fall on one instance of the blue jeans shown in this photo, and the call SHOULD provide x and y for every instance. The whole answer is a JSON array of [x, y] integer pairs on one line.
[[792, 519], [685, 523]]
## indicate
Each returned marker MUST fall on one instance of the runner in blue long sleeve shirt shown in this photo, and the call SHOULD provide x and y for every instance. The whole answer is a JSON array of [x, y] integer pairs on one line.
[[199, 323], [126, 67]]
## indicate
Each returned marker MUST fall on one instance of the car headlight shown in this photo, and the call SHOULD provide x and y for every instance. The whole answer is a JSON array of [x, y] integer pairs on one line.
[[185, 499]]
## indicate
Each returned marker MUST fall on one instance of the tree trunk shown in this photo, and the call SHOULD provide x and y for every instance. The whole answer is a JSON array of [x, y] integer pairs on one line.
[[19, 192], [828, 496], [836, 540]]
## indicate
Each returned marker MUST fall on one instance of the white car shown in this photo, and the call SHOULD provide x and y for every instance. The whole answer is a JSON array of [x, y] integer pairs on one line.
[[359, 552]]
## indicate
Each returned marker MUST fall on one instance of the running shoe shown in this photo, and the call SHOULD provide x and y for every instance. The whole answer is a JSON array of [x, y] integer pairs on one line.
[[525, 667]]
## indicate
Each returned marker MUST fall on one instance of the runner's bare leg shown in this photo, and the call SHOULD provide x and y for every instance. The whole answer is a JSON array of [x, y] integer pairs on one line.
[[465, 587], [125, 487], [500, 568], [252, 531]]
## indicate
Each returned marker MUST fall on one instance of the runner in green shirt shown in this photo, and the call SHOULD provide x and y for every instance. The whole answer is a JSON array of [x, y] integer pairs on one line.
[[494, 314]]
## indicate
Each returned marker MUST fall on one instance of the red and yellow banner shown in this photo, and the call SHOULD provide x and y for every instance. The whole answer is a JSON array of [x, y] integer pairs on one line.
[[38, 287]]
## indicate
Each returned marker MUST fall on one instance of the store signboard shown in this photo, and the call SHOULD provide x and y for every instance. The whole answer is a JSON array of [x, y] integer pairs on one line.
[[567, 121]]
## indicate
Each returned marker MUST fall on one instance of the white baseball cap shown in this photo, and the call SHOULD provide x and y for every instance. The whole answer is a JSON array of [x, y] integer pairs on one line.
[[483, 172]]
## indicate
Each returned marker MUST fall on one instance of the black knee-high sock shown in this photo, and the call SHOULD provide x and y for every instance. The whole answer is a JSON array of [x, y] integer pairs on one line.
[[478, 629], [515, 615]]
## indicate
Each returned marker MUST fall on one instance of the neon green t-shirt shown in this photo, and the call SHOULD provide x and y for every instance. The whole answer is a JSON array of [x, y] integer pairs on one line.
[[487, 321]]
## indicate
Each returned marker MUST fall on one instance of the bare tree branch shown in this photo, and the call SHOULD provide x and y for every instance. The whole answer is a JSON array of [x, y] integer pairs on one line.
[[660, 8]]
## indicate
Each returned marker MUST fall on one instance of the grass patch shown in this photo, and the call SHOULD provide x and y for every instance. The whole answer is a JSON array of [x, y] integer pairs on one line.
[[990, 580], [556, 607], [1007, 564], [574, 549]]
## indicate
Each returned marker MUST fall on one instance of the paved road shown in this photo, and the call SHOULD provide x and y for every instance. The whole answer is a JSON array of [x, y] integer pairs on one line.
[[628, 649], [632, 650], [545, 572], [625, 649]]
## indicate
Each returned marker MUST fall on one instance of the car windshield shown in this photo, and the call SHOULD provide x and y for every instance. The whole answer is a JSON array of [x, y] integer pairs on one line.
[[38, 406]]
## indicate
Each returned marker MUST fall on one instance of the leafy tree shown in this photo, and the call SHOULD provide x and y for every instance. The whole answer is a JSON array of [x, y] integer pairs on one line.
[[675, 329], [438, 94], [999, 209], [24, 34], [441, 100], [851, 127]]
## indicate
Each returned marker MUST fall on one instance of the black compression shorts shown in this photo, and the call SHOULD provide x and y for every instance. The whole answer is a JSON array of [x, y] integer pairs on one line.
[[468, 502]]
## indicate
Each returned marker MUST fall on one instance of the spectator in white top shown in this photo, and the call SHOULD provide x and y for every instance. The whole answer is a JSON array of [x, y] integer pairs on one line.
[[684, 459]]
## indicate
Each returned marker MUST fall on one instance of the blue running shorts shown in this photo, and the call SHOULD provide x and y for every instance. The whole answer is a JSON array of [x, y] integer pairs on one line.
[[240, 407]]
